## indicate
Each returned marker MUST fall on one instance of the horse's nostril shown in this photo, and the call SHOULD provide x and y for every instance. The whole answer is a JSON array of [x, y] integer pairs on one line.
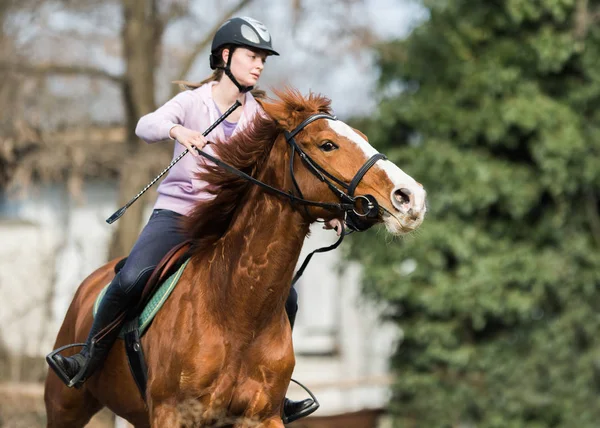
[[403, 195]]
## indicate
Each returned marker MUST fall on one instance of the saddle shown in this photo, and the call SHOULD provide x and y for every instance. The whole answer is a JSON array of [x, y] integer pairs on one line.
[[167, 266], [155, 293]]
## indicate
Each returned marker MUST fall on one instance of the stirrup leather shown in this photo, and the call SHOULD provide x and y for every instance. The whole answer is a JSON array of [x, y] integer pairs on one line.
[[308, 411]]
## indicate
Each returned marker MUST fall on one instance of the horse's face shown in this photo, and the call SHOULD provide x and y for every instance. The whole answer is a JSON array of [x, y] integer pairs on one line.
[[342, 151]]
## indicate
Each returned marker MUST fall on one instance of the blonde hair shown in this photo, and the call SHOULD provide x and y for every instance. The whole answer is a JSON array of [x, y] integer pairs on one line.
[[216, 76]]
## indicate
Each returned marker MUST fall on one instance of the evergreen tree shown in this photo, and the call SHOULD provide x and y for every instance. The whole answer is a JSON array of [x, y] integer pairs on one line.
[[498, 292]]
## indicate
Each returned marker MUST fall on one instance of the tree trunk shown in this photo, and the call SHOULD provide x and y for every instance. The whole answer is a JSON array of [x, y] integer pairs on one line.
[[141, 44], [142, 33]]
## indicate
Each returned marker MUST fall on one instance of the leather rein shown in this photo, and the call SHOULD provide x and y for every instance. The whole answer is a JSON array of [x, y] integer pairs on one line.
[[355, 207]]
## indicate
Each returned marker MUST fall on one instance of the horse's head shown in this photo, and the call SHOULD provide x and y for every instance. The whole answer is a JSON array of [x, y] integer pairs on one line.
[[336, 161]]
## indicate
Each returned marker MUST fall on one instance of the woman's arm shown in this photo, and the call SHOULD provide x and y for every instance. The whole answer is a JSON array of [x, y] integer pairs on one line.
[[156, 126]]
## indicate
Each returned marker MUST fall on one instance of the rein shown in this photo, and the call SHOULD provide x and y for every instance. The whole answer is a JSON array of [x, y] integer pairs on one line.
[[353, 217], [292, 197], [355, 207]]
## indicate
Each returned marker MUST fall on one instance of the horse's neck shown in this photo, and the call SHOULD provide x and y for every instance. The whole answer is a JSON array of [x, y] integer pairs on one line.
[[252, 266]]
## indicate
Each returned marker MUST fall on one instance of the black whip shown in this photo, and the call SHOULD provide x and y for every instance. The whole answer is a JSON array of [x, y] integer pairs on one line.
[[117, 214]]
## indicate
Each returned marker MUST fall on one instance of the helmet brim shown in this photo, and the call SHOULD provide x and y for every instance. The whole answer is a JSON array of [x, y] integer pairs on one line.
[[257, 46]]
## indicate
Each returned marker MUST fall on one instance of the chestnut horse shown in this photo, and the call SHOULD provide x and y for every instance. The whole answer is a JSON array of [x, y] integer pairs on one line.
[[221, 347]]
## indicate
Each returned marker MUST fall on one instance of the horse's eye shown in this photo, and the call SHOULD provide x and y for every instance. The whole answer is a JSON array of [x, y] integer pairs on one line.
[[328, 146]]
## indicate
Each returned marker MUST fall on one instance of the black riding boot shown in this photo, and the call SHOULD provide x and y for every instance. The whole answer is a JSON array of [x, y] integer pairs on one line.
[[75, 370], [294, 410]]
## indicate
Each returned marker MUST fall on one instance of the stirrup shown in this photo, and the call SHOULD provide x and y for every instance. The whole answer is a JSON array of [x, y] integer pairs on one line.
[[78, 378], [308, 411]]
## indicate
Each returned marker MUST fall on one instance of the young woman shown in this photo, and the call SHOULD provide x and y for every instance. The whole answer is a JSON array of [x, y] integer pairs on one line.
[[238, 54]]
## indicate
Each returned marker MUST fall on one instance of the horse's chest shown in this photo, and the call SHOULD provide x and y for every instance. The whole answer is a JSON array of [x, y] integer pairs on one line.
[[216, 365], [223, 376]]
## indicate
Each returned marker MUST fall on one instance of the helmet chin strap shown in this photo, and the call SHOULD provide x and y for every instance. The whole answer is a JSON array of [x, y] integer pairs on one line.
[[227, 70]]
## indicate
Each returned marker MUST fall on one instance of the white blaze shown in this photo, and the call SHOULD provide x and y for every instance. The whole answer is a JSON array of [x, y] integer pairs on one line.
[[398, 177]]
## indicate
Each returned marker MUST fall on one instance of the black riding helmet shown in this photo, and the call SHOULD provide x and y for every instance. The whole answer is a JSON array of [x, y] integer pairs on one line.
[[243, 31]]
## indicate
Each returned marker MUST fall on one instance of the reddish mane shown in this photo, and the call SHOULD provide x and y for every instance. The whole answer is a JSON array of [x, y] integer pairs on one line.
[[247, 151]]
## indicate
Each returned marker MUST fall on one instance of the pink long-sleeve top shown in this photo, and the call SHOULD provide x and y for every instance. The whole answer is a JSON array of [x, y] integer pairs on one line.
[[194, 109]]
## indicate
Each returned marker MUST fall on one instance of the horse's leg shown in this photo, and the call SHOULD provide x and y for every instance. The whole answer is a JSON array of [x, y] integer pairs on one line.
[[68, 408], [165, 415]]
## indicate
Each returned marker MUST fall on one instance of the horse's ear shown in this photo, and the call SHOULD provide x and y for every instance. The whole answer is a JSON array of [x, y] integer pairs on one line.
[[277, 112]]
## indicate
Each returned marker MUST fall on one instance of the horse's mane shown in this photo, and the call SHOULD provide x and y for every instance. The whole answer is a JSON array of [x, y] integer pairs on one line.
[[247, 151]]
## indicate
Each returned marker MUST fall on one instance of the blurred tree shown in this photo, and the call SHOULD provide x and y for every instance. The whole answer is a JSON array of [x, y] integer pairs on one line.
[[493, 106], [143, 27], [71, 31], [16, 137]]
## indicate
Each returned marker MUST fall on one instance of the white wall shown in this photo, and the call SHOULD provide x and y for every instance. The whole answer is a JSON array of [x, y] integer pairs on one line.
[[49, 245], [25, 248]]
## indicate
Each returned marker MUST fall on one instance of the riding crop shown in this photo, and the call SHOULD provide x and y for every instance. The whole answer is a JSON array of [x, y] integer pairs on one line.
[[122, 210]]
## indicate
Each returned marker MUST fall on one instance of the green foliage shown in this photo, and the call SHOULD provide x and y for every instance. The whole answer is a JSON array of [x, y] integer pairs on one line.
[[499, 118]]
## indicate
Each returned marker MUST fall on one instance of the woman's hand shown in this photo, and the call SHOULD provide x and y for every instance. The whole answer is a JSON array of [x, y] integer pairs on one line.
[[334, 224], [190, 139]]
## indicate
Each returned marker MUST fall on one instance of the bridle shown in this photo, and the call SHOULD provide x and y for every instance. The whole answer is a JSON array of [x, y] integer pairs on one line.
[[356, 208], [361, 205]]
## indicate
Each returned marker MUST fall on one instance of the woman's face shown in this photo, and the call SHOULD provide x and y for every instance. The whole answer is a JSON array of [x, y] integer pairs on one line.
[[246, 65]]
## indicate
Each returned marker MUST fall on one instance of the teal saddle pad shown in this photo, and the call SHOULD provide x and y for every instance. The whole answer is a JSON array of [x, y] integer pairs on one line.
[[158, 299]]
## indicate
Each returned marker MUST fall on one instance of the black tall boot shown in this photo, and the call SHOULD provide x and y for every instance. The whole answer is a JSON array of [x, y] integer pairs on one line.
[[75, 370], [294, 410]]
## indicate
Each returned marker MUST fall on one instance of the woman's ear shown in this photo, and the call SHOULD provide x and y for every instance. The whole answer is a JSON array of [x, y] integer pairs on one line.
[[225, 55]]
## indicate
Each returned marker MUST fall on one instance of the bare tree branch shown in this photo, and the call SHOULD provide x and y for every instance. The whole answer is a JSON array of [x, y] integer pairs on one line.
[[188, 62], [584, 18], [175, 11], [297, 8], [59, 69], [581, 18]]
